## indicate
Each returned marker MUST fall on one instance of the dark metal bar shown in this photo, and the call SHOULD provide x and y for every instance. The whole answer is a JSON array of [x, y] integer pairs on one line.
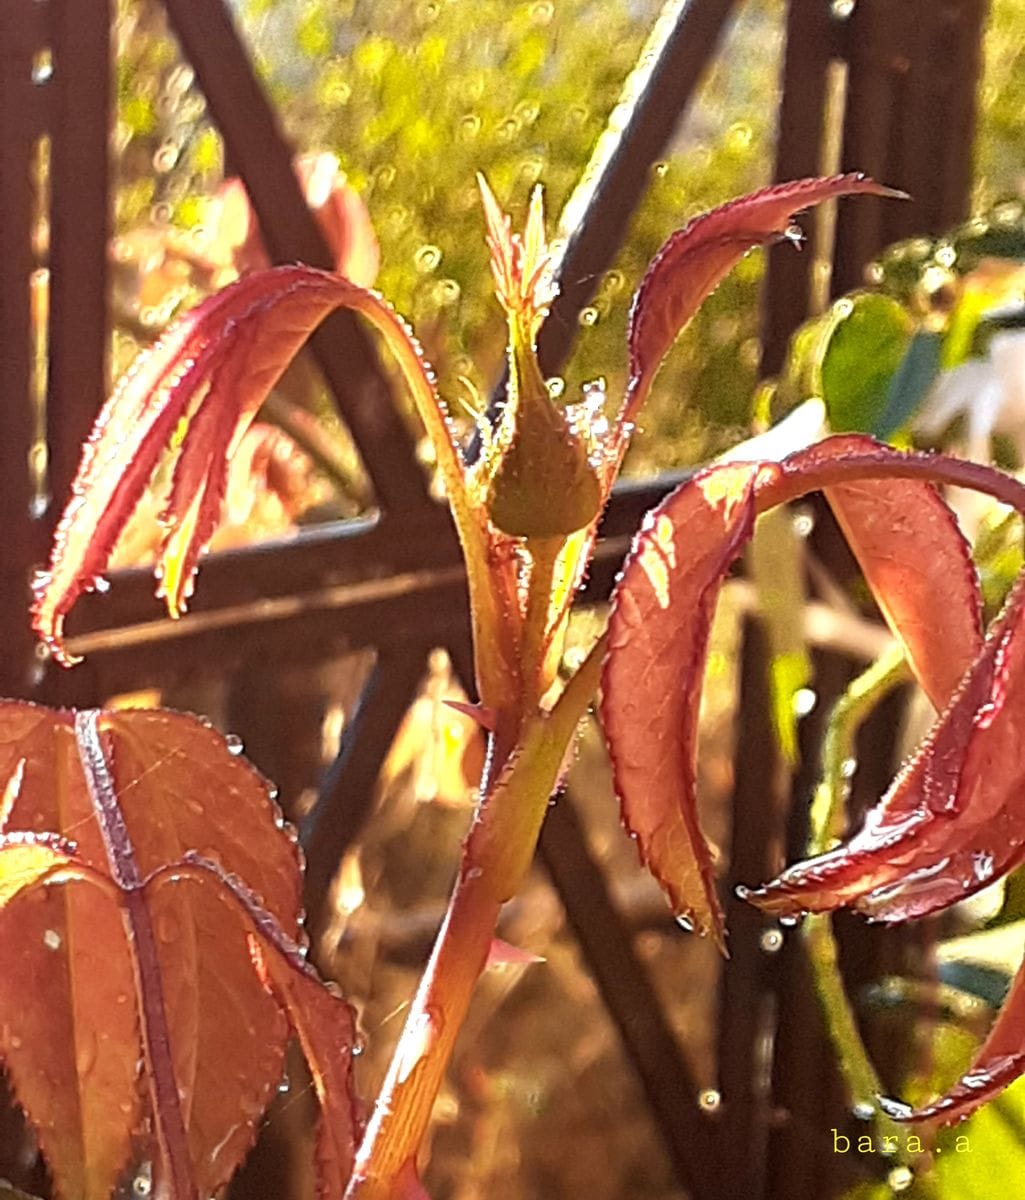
[[323, 592], [608, 948], [347, 794], [23, 120], [617, 183], [935, 134], [256, 145], [918, 62], [746, 996], [806, 1088], [79, 228], [810, 46]]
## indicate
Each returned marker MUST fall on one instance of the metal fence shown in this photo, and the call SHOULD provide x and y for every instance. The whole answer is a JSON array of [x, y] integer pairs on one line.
[[394, 584]]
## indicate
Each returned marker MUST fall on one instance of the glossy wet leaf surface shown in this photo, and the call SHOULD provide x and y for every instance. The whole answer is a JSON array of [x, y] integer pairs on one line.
[[658, 637], [136, 936]]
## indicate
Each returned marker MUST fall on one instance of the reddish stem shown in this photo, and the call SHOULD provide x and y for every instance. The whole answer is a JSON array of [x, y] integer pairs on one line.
[[496, 855]]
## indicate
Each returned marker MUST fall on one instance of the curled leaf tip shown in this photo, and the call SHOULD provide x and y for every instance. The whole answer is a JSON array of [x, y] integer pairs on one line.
[[693, 261]]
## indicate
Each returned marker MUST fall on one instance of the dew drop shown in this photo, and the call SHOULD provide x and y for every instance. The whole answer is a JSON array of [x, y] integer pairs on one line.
[[42, 66], [588, 316], [234, 743], [900, 1178], [427, 259], [447, 291], [38, 507], [142, 1184], [896, 1109], [842, 10], [804, 523], [101, 585], [709, 1100], [685, 923], [791, 920], [863, 1110], [805, 700], [52, 939], [771, 941], [556, 386], [285, 1085], [741, 891], [166, 157], [85, 1058]]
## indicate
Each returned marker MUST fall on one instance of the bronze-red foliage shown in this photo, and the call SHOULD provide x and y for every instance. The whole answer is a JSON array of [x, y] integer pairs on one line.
[[954, 820], [150, 953]]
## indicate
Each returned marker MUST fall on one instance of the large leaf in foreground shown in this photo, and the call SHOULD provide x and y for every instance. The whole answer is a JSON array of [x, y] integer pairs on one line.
[[662, 609], [651, 684], [147, 1011], [209, 374]]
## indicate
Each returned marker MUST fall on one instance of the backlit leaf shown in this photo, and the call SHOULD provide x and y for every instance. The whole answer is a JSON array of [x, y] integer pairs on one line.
[[693, 261], [999, 1061], [952, 822], [651, 685], [149, 1016], [919, 567], [210, 372], [915, 561]]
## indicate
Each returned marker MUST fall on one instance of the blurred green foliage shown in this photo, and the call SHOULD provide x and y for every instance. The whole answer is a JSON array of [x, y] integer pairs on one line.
[[415, 97]]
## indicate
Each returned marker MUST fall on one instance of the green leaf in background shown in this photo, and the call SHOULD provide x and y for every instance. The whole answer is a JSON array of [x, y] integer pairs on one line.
[[911, 383], [870, 337], [959, 343], [999, 558], [777, 568]]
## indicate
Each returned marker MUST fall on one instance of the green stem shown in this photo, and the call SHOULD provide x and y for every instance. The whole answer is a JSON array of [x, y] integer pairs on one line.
[[827, 814], [860, 699], [496, 856], [544, 556]]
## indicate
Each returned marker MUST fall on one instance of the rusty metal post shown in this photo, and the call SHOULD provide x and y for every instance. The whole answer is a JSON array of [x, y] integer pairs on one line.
[[913, 71]]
